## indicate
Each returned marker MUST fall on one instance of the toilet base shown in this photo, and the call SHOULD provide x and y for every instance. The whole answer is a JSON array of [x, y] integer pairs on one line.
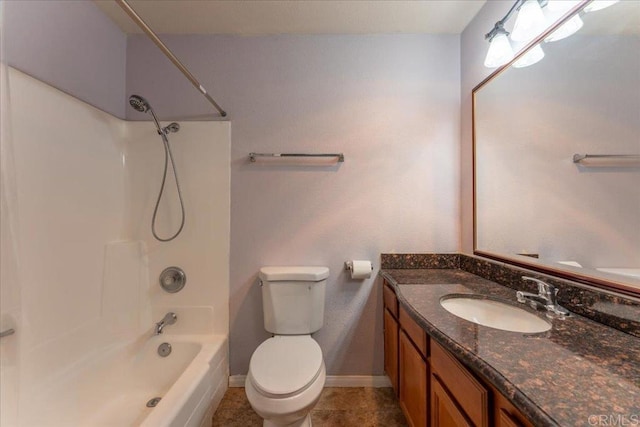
[[304, 422]]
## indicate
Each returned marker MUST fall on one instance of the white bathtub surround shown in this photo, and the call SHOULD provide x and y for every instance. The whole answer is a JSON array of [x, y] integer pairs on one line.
[[125, 287], [201, 151], [113, 389], [81, 283]]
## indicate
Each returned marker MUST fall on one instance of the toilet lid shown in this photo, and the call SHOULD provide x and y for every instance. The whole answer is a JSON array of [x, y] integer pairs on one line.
[[285, 364]]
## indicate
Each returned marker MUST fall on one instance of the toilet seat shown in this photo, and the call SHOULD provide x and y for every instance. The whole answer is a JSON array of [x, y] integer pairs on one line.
[[285, 365]]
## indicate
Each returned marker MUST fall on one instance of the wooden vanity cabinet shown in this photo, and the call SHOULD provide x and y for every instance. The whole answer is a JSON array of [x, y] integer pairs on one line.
[[413, 372], [391, 330], [433, 387], [461, 395], [445, 412], [391, 349], [505, 414]]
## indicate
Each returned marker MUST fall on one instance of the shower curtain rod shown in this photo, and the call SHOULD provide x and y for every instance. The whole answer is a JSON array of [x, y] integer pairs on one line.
[[149, 32]]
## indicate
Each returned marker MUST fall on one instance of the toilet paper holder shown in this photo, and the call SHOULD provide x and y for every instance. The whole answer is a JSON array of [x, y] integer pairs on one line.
[[348, 266]]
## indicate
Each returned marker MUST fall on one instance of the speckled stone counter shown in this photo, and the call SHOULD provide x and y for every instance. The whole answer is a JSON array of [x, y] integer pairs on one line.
[[567, 376]]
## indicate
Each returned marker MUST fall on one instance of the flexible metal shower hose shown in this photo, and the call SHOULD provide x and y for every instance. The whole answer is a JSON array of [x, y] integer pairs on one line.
[[167, 156]]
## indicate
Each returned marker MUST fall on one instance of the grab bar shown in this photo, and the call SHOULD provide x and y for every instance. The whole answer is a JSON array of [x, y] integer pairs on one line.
[[252, 156], [577, 158], [7, 333]]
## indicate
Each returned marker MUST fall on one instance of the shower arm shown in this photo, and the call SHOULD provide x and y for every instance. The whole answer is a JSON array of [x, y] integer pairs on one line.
[[149, 32]]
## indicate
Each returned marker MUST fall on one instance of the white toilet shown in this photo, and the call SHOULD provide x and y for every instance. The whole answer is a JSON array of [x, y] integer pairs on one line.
[[286, 372]]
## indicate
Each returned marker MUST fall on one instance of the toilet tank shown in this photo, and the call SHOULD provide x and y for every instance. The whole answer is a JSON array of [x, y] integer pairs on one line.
[[293, 299]]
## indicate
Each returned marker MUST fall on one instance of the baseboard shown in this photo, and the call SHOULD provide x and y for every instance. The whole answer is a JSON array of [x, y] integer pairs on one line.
[[333, 381], [357, 381], [237, 380]]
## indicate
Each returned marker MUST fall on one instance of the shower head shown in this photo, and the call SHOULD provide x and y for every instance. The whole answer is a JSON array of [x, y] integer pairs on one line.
[[142, 105], [139, 103]]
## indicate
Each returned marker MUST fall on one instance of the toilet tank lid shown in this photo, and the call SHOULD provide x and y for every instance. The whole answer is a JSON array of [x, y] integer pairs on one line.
[[302, 273]]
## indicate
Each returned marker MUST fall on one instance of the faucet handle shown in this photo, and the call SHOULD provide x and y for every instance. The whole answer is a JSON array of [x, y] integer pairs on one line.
[[543, 287]]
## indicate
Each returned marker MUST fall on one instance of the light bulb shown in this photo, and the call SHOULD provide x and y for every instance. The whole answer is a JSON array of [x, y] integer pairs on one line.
[[561, 6], [500, 51], [529, 23], [599, 5], [566, 29], [534, 55]]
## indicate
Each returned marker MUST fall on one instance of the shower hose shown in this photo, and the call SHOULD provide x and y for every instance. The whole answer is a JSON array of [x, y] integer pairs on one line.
[[167, 156]]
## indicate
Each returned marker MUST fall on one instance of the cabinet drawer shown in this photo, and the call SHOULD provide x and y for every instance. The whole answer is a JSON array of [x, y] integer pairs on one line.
[[390, 300], [470, 395], [414, 331]]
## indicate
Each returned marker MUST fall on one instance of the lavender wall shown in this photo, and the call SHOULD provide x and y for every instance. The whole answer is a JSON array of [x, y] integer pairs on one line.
[[71, 45], [389, 102]]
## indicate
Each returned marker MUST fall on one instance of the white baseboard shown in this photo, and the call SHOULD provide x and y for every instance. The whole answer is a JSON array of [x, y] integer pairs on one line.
[[357, 381], [333, 381], [237, 380]]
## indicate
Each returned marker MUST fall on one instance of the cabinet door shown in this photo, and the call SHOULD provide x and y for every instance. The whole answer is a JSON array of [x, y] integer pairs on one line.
[[444, 411], [391, 349], [507, 415], [413, 383], [506, 420], [470, 395]]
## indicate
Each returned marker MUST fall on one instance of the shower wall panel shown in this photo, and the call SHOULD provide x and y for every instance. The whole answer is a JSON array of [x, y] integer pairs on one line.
[[201, 152], [63, 200], [79, 264]]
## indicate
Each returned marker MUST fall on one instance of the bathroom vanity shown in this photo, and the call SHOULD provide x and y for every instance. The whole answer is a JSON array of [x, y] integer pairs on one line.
[[448, 371]]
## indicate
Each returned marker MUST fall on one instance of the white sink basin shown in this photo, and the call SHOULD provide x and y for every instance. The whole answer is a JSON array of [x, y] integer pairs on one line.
[[494, 314]]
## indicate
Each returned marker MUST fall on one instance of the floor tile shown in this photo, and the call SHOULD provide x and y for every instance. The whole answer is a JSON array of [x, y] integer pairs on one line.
[[337, 407]]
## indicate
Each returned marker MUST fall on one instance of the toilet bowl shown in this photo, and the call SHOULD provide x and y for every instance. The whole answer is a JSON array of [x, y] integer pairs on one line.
[[286, 372], [286, 377]]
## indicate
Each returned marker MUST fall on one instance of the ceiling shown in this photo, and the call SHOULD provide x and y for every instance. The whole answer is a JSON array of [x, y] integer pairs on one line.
[[259, 17]]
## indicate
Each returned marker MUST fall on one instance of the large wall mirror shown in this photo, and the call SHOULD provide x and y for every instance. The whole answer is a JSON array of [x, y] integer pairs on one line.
[[557, 156]]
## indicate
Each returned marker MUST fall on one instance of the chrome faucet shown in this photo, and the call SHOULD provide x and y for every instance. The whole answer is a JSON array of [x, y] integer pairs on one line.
[[547, 298], [168, 319]]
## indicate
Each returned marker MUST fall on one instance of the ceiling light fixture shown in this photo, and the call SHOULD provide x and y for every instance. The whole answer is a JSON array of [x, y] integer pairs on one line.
[[529, 23], [532, 21], [500, 51], [532, 56], [566, 29], [599, 5], [561, 6]]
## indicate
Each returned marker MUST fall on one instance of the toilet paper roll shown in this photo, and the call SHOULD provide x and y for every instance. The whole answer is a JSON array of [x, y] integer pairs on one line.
[[361, 269]]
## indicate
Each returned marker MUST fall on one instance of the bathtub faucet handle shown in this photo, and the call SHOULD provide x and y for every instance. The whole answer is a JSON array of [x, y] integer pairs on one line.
[[168, 319]]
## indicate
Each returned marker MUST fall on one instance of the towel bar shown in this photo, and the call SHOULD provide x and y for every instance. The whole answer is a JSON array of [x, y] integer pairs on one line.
[[252, 156], [577, 158]]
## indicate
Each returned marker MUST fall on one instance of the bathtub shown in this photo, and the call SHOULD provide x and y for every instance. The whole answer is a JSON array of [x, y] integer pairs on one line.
[[113, 389]]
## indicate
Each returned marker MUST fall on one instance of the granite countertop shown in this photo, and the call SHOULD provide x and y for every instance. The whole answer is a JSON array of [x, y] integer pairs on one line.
[[570, 375]]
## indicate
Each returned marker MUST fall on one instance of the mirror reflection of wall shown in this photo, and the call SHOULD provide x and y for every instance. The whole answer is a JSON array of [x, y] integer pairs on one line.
[[583, 97]]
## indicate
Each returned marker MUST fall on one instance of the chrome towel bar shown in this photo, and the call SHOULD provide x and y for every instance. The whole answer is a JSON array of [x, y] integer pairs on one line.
[[252, 156], [577, 158], [7, 333]]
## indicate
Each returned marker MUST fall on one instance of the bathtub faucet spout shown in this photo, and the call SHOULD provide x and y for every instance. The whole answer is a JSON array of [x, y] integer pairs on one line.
[[168, 319]]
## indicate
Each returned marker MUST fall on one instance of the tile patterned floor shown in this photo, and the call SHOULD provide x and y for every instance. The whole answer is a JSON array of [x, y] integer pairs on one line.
[[338, 407]]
